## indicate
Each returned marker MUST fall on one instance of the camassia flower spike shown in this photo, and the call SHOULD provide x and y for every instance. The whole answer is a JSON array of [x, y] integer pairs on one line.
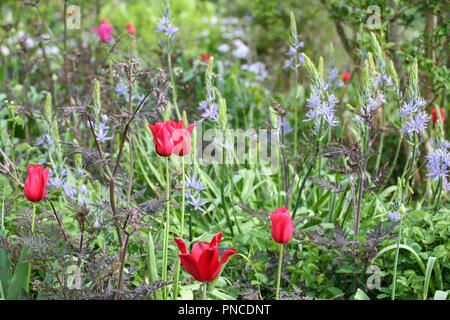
[[203, 263], [35, 183]]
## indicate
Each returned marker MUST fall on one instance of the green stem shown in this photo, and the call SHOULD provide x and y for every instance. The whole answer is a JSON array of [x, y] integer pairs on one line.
[[3, 208], [397, 152], [280, 260], [380, 146], [177, 270], [394, 281], [438, 192], [29, 264], [13, 158], [34, 214], [174, 86], [166, 234], [295, 109], [205, 291], [222, 193], [409, 169]]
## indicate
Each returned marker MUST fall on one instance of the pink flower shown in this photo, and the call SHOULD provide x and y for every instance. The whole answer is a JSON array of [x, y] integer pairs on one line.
[[105, 31]]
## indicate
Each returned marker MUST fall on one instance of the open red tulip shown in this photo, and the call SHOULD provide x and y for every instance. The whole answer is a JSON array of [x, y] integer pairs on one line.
[[171, 137], [203, 263], [435, 117], [182, 138], [346, 76], [162, 133], [282, 225], [35, 183]]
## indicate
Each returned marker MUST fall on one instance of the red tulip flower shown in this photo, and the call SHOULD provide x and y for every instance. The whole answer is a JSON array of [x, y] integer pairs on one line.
[[282, 225], [435, 117], [203, 263], [171, 137], [205, 57], [104, 31], [162, 133], [346, 76], [131, 28], [182, 138], [35, 183]]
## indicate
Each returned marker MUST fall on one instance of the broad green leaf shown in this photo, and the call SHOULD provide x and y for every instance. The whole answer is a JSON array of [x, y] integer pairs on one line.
[[20, 278], [361, 295]]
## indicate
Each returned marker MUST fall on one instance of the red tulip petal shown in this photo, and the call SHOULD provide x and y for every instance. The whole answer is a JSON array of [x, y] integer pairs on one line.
[[227, 255], [215, 241], [154, 131], [190, 264], [164, 144], [181, 245], [198, 248], [191, 126], [224, 259], [208, 263]]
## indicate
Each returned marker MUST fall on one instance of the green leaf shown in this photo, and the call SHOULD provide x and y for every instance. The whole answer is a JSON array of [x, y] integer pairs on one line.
[[221, 295], [5, 274], [361, 295], [20, 278], [430, 264], [440, 295]]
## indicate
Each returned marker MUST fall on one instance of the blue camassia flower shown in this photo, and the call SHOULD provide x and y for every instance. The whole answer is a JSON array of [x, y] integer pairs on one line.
[[438, 163]]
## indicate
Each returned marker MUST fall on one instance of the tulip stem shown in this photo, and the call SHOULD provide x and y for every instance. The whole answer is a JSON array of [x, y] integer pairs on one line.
[[34, 215], [280, 260], [205, 290], [166, 236], [29, 264], [174, 85], [177, 270]]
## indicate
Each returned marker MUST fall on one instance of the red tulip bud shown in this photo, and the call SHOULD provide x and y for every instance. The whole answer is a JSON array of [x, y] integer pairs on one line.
[[346, 76], [435, 117], [203, 263], [205, 57], [35, 183], [162, 133], [131, 28], [282, 225]]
